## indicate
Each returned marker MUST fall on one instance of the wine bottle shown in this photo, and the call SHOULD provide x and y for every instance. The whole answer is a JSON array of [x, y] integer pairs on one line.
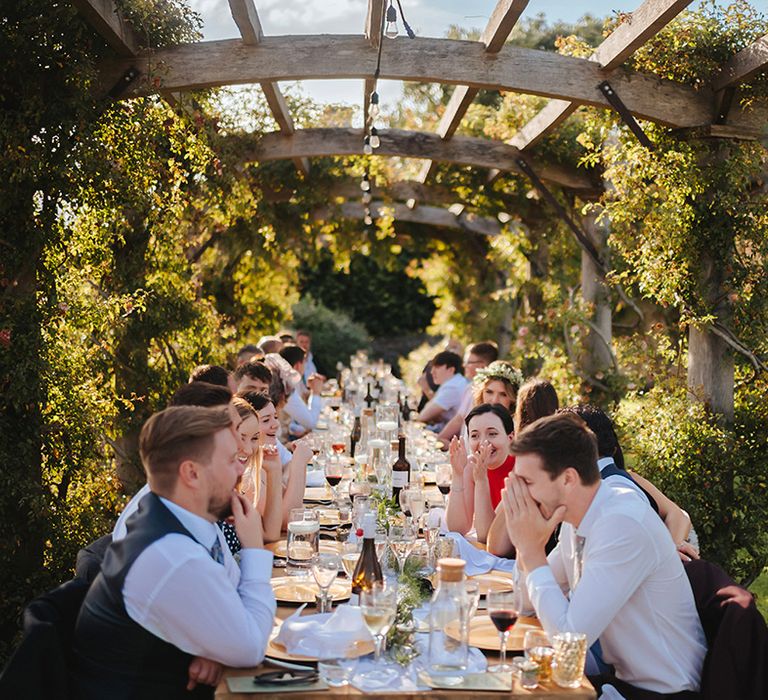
[[368, 570], [368, 397], [401, 470], [354, 438], [405, 409]]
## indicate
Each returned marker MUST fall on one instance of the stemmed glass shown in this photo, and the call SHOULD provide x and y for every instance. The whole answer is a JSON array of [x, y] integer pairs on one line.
[[386, 418], [416, 504], [443, 476], [325, 569], [401, 541], [334, 471], [503, 609], [379, 607]]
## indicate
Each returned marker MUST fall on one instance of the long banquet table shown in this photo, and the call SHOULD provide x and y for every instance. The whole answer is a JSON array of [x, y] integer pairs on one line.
[[548, 690]]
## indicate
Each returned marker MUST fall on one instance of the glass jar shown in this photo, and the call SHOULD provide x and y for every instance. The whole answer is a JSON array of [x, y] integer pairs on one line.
[[448, 648]]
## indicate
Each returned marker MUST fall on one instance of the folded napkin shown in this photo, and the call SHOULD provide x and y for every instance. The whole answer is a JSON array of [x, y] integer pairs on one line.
[[316, 478], [479, 561], [324, 635]]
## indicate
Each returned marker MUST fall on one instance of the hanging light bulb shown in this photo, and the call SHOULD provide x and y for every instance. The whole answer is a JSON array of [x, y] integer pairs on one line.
[[374, 140], [373, 109], [365, 185], [367, 197], [390, 31], [368, 220], [367, 146]]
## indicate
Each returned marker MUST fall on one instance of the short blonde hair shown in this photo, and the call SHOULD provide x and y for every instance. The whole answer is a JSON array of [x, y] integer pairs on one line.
[[177, 434]]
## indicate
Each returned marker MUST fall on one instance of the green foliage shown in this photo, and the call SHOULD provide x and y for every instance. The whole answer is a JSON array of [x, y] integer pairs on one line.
[[718, 473], [335, 336], [388, 301]]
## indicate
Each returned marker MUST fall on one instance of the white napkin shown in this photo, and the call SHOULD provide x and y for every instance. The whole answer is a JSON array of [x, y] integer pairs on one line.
[[324, 635], [316, 478], [479, 561]]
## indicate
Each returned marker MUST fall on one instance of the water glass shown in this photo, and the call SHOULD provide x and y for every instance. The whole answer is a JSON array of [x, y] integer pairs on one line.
[[538, 648], [568, 661], [303, 540], [337, 671], [325, 569]]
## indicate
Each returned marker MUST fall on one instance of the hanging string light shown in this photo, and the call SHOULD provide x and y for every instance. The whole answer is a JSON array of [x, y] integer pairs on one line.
[[374, 139], [367, 146], [368, 219], [390, 30], [365, 185], [373, 105], [367, 197]]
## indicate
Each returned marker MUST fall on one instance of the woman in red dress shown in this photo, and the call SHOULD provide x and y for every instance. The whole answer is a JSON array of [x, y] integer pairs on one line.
[[478, 477]]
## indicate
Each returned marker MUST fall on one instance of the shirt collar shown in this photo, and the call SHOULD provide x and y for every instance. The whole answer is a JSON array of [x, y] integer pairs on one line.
[[204, 531], [593, 512], [604, 462]]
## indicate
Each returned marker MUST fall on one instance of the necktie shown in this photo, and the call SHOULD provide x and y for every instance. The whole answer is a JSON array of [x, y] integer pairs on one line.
[[216, 552], [578, 558]]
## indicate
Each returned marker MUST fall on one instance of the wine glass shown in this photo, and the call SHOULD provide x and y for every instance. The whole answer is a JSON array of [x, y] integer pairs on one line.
[[416, 504], [401, 541], [378, 606], [503, 609], [334, 471], [350, 554], [443, 476], [325, 569], [386, 418]]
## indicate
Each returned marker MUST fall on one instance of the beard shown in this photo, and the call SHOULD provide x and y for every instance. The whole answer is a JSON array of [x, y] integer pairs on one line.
[[220, 510]]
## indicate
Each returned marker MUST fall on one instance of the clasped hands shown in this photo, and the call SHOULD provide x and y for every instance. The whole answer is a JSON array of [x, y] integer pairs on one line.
[[528, 529], [477, 461]]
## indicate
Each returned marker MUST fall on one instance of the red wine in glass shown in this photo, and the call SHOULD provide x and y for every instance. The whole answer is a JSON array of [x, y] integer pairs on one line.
[[504, 620], [333, 480], [445, 489]]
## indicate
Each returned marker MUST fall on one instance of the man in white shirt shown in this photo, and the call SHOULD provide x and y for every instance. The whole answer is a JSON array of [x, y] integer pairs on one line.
[[615, 574], [170, 590], [303, 414], [478, 356], [304, 341], [448, 373]]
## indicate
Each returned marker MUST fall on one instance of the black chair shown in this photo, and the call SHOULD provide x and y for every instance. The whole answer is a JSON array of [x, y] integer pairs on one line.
[[39, 668], [736, 664]]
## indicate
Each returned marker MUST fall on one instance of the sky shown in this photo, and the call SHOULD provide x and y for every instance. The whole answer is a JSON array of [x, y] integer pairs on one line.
[[428, 18]]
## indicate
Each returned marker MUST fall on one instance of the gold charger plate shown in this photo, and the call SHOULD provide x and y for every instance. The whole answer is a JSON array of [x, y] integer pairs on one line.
[[317, 493], [280, 548], [328, 517], [493, 581], [291, 589], [275, 650], [484, 635]]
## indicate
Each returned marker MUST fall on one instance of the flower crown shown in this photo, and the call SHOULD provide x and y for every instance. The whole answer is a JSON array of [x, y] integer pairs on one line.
[[499, 370]]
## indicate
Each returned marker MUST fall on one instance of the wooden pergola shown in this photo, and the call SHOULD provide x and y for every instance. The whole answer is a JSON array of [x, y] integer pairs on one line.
[[601, 80]]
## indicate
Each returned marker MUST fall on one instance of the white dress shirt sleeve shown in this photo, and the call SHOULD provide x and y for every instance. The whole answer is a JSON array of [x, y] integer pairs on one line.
[[176, 591], [616, 561], [301, 413]]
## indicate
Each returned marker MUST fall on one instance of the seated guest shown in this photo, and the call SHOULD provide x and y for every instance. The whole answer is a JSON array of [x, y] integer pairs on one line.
[[615, 574], [304, 341], [270, 344], [303, 415], [192, 394], [292, 466], [448, 374], [286, 337], [678, 522], [478, 356], [248, 352], [253, 376], [536, 398], [213, 374], [170, 590], [478, 479]]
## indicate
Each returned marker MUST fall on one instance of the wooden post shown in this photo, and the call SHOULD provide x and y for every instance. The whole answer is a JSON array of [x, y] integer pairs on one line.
[[598, 355]]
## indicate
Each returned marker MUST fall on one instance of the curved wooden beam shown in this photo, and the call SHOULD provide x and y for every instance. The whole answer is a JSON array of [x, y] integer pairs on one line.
[[426, 215], [462, 150], [230, 62]]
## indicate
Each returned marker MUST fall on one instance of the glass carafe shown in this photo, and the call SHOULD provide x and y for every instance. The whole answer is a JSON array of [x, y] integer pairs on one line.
[[448, 648]]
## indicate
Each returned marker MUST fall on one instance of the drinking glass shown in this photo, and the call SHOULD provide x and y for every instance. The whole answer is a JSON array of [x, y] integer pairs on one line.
[[350, 554], [568, 660], [416, 504], [380, 543], [302, 545], [378, 606], [325, 569], [338, 670], [538, 648], [387, 418], [443, 476], [472, 597], [334, 471], [401, 541], [503, 609]]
